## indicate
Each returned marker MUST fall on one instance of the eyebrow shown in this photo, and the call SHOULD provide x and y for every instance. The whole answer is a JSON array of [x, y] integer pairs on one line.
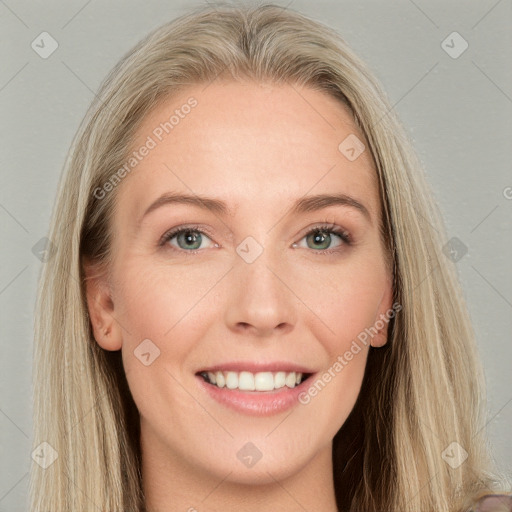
[[303, 205]]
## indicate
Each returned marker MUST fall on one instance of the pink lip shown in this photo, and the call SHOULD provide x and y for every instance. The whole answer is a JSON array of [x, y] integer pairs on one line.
[[253, 367], [255, 403]]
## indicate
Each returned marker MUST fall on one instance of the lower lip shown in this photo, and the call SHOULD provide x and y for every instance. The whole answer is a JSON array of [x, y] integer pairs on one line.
[[256, 403]]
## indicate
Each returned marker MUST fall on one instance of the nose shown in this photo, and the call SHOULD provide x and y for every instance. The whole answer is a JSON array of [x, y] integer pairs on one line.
[[261, 302]]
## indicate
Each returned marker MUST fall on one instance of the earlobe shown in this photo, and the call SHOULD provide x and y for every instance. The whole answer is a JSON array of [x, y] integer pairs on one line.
[[384, 315], [105, 328], [381, 338]]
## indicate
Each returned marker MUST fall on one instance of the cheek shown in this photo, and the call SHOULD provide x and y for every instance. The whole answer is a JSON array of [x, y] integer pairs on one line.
[[345, 300], [153, 301], [157, 300], [168, 306]]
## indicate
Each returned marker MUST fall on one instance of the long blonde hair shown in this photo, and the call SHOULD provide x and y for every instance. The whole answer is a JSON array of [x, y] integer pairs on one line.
[[421, 392]]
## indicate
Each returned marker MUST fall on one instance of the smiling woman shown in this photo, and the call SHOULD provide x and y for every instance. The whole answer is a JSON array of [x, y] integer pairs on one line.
[[255, 315]]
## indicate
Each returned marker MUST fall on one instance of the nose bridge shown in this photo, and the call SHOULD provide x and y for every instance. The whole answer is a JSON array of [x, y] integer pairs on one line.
[[260, 300]]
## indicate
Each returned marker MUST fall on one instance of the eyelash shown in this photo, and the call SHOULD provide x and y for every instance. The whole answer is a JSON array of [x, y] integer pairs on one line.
[[324, 228]]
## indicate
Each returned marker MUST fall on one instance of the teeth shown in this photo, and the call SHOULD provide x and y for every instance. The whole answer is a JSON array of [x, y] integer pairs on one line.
[[279, 380], [221, 381], [231, 380], [247, 381], [290, 380], [264, 381]]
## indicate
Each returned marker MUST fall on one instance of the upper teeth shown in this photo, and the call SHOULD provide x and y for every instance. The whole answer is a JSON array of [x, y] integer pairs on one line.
[[247, 381]]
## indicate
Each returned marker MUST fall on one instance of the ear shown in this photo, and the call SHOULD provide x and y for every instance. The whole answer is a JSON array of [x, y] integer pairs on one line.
[[106, 329], [384, 314]]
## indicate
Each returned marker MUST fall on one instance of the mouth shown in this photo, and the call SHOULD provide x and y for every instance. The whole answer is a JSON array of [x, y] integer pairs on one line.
[[257, 382], [255, 388]]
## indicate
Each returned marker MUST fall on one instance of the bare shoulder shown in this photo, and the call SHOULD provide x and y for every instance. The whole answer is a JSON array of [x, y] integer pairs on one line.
[[494, 503]]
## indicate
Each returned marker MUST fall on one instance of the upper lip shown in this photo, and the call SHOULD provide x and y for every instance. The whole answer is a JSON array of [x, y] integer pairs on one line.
[[255, 367]]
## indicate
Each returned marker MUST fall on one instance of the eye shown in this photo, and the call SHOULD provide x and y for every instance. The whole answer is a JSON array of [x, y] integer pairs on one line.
[[323, 237], [187, 238]]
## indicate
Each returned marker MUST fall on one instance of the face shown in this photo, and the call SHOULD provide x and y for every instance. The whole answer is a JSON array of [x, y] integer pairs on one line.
[[248, 291]]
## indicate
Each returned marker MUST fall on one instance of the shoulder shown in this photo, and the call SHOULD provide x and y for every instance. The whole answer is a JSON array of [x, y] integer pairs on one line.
[[493, 503]]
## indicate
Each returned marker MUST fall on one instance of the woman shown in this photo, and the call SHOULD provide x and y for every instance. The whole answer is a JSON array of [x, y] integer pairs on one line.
[[249, 307]]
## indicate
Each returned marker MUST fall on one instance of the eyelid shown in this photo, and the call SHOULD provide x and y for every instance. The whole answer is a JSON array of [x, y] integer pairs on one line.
[[190, 227], [344, 235], [329, 226], [339, 231]]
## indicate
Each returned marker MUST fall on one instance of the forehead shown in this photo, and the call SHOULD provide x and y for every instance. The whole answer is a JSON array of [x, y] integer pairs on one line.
[[247, 143]]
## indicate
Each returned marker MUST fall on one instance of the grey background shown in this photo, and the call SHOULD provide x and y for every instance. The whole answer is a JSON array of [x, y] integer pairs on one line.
[[457, 111]]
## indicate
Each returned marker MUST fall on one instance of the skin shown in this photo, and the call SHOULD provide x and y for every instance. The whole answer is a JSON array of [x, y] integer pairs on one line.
[[258, 147]]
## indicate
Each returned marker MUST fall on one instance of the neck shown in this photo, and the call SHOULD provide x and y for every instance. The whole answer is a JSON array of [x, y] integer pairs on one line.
[[172, 484]]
